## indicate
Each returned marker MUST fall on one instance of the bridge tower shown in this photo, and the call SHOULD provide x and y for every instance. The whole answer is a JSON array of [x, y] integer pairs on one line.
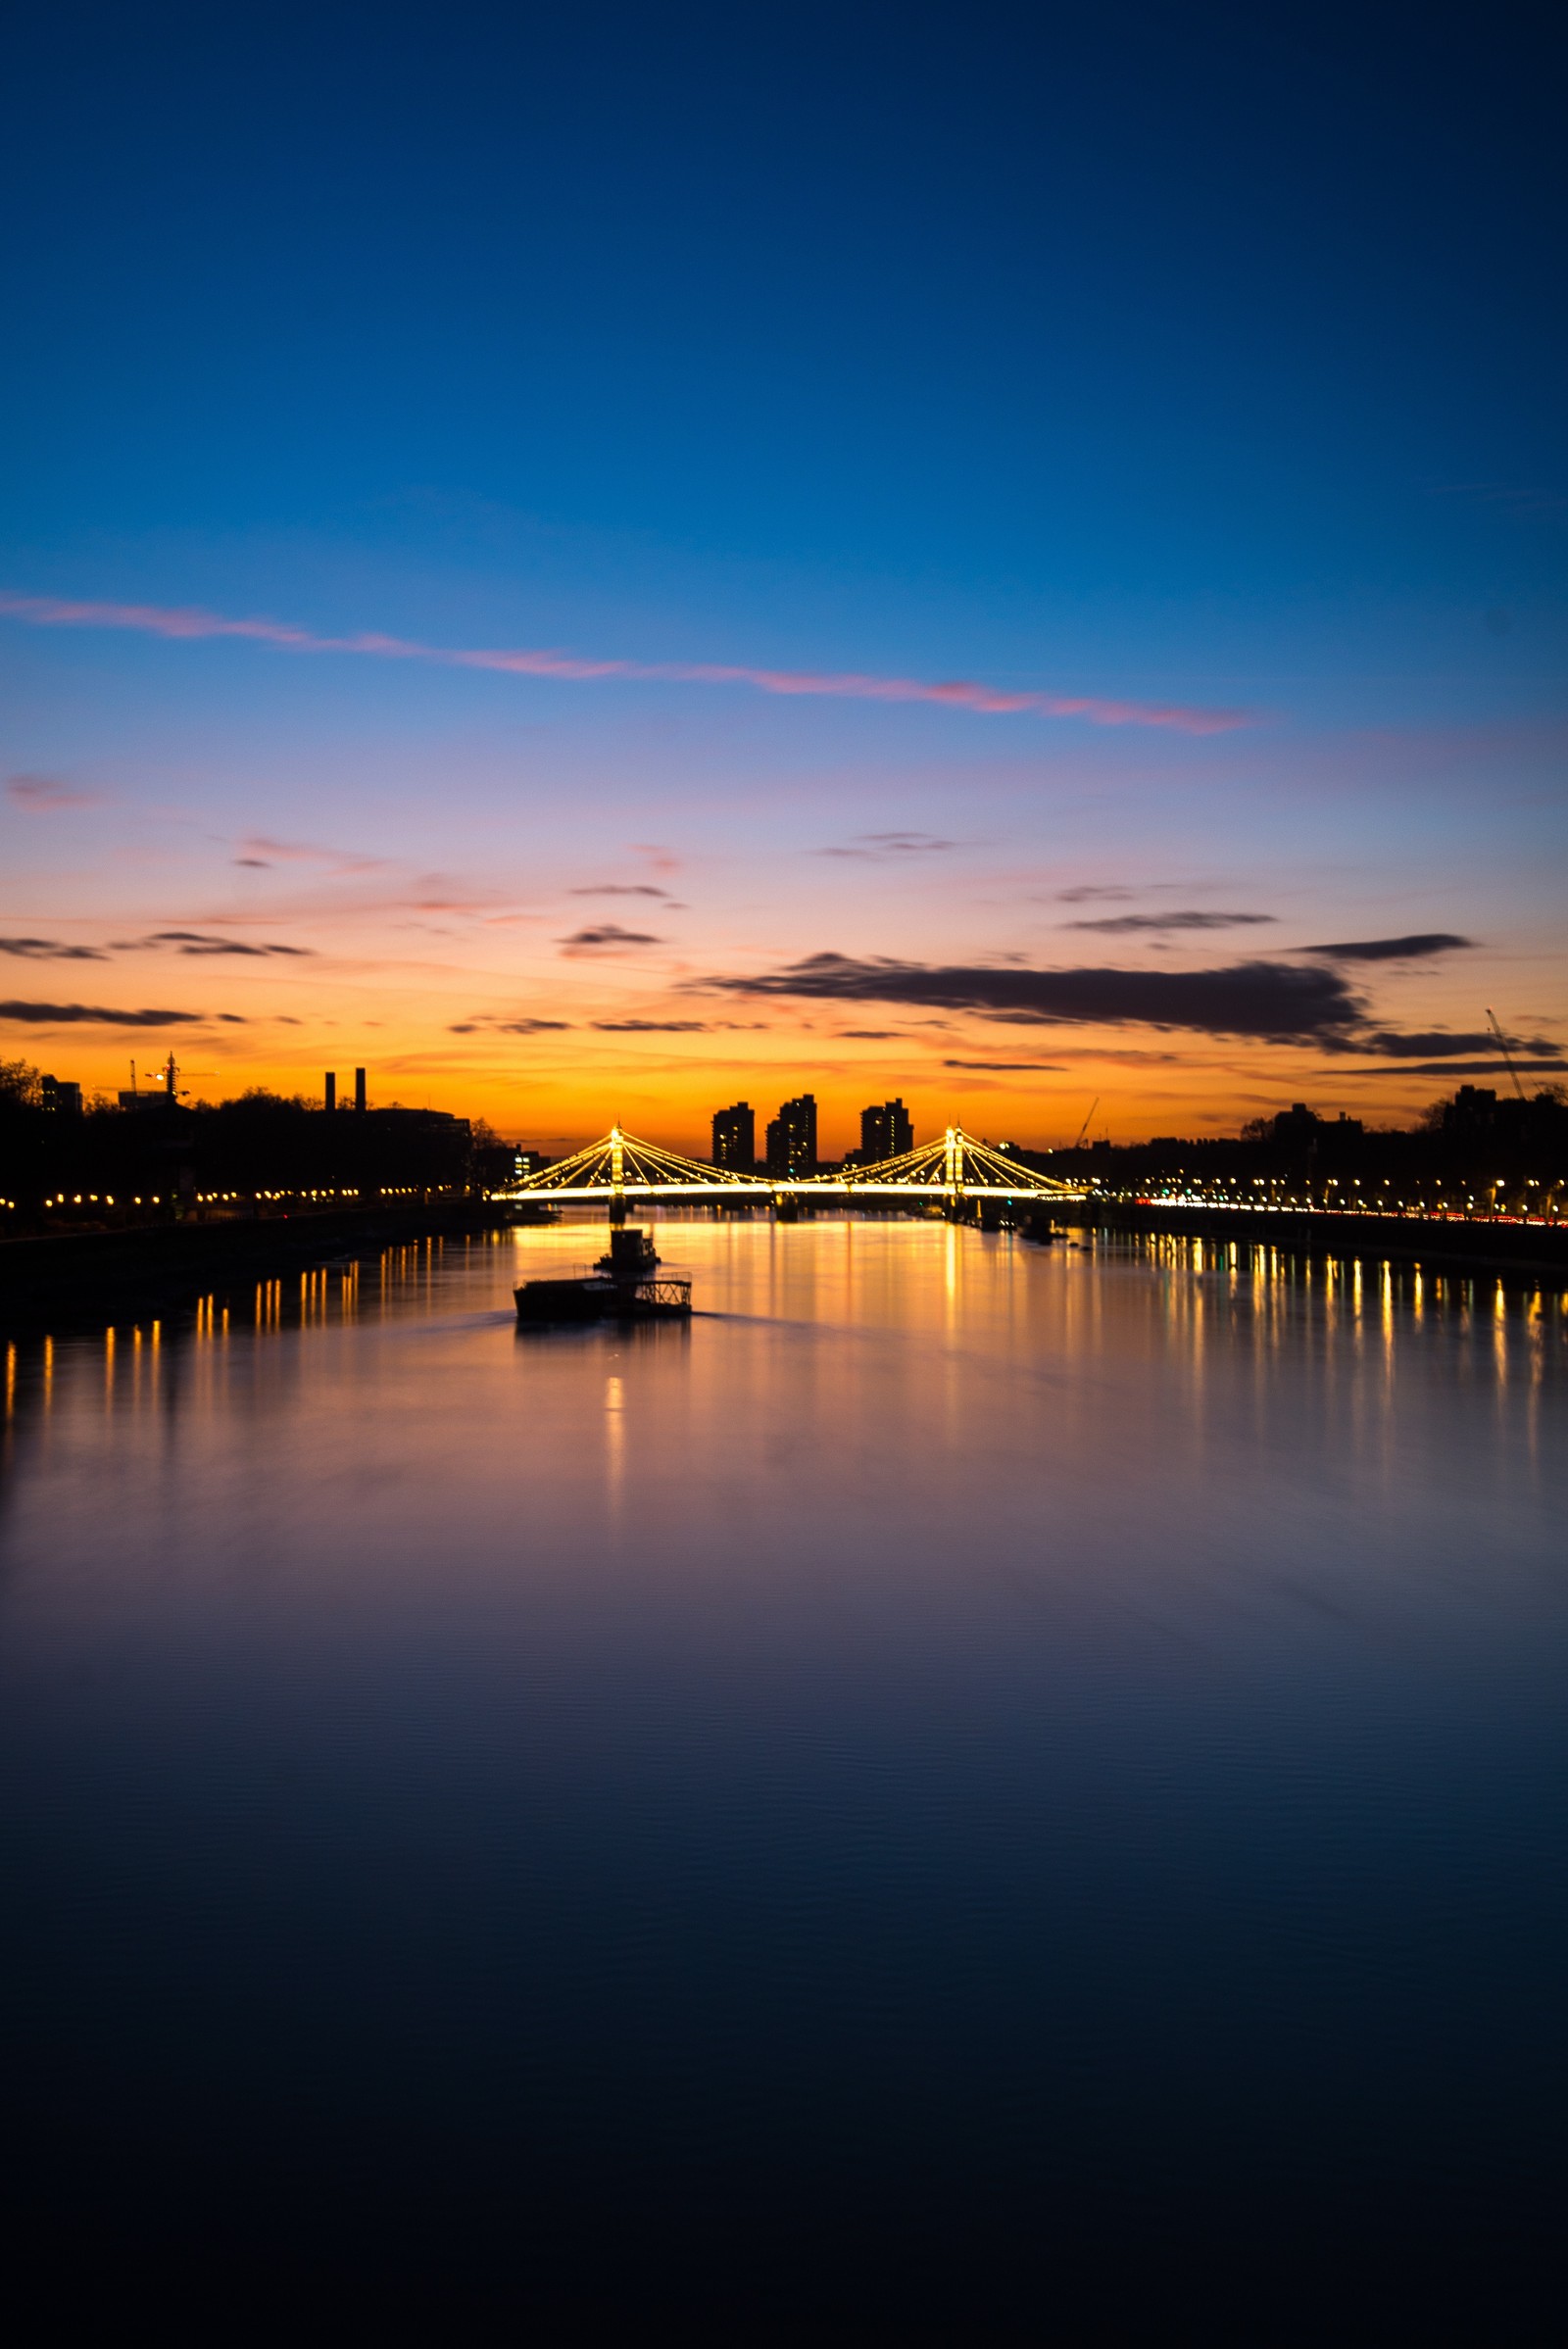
[[952, 1162], [618, 1175]]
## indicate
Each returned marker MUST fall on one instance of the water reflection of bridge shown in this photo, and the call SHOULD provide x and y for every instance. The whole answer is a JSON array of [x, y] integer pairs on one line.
[[621, 1168]]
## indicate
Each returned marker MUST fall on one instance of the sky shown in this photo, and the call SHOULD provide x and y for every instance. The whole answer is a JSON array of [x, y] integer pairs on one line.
[[600, 564]]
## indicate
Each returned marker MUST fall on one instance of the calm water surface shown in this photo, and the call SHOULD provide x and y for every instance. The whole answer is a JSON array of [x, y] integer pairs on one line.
[[971, 1793]]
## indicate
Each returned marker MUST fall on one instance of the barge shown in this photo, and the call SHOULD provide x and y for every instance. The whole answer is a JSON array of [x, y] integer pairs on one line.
[[626, 1284]]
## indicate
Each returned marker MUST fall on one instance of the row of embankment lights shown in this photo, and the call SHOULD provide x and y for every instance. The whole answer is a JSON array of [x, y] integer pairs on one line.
[[1221, 1191], [205, 1198]]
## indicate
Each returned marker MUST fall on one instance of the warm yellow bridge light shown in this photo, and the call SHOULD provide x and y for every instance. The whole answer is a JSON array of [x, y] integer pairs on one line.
[[620, 1166]]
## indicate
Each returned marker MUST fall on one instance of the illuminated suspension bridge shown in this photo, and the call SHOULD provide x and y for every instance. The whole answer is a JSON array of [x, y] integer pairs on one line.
[[622, 1168]]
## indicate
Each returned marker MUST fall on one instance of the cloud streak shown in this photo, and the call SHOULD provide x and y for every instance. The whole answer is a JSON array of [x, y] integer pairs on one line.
[[1390, 950], [1276, 1001], [259, 850], [1116, 925], [1399, 1044], [483, 1020], [198, 942], [69, 1015], [41, 793], [605, 935], [1449, 1069], [1269, 1003], [48, 949], [891, 843], [189, 624]]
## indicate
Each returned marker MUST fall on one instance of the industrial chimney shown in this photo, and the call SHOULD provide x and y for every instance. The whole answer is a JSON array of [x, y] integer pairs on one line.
[[331, 1089], [359, 1089]]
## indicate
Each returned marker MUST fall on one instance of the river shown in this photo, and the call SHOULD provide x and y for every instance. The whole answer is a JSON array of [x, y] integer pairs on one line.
[[972, 1792]]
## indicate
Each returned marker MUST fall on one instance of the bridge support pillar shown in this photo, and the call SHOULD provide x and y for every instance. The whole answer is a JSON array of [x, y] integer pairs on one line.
[[618, 1175]]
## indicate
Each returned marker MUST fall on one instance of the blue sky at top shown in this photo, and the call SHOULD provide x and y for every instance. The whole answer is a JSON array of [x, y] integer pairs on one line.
[[1181, 355]]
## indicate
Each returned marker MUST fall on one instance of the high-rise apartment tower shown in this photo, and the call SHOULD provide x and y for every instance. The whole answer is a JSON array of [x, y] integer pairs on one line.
[[792, 1140], [887, 1130], [735, 1138]]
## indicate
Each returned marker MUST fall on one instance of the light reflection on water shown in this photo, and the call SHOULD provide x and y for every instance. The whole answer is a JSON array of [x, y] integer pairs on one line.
[[974, 1759]]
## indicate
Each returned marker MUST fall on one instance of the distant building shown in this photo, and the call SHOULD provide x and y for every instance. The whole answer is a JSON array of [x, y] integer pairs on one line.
[[1478, 1118], [61, 1096], [1471, 1115], [495, 1164], [887, 1131], [167, 1076], [792, 1140], [735, 1138], [1301, 1130]]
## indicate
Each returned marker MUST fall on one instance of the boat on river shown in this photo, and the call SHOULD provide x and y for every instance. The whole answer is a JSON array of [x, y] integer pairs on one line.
[[625, 1284], [632, 1255]]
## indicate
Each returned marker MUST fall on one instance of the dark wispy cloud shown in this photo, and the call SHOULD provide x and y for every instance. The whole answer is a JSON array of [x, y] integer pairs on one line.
[[69, 1015], [1120, 924], [1277, 1000], [198, 942], [650, 1027], [41, 793], [188, 942], [506, 1027], [1433, 1044], [1449, 1069], [884, 845], [603, 936], [993, 1068], [870, 1035], [49, 950], [1087, 892], [621, 889], [1390, 950]]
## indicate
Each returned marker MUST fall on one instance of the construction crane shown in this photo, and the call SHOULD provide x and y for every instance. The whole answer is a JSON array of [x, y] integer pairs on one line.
[[1083, 1128], [1507, 1056]]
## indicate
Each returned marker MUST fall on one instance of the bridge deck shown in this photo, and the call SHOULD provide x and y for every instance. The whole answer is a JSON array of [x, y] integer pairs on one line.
[[623, 1168], [761, 1194]]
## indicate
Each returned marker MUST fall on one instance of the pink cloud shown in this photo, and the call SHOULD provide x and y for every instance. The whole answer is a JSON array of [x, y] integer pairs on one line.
[[186, 624], [42, 792], [258, 849]]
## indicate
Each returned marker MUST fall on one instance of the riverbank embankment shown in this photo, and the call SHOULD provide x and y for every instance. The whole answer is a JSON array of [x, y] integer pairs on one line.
[[1534, 1255], [83, 1276]]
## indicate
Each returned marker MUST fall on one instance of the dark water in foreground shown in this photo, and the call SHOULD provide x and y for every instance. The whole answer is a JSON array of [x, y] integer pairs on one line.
[[971, 1794]]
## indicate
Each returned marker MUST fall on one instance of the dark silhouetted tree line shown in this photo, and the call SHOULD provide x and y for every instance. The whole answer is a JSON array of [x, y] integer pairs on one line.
[[108, 1164]]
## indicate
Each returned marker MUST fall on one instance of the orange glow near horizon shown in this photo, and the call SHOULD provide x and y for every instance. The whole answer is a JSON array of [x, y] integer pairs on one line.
[[558, 1098], [557, 914]]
